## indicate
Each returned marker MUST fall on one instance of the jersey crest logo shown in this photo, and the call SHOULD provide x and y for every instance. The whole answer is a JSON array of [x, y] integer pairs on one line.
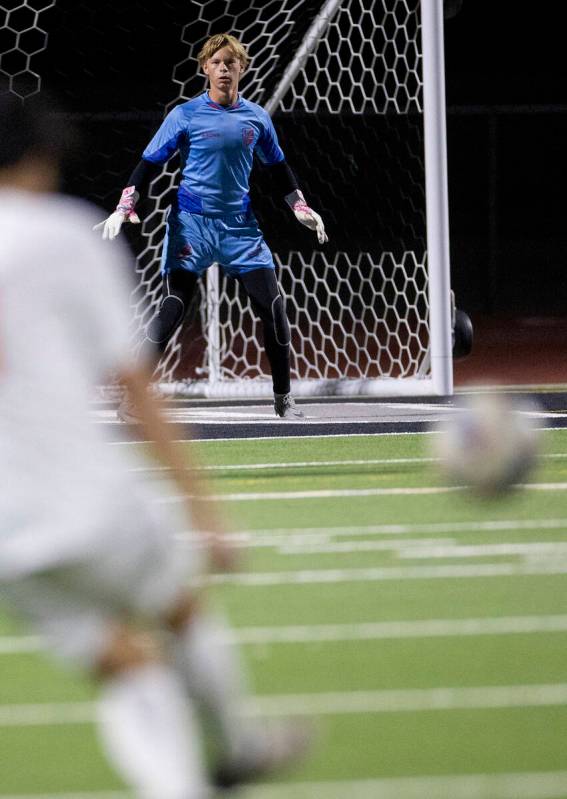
[[185, 251], [247, 136]]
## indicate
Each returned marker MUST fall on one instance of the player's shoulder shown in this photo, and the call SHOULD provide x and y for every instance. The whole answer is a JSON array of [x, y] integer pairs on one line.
[[188, 107], [254, 108]]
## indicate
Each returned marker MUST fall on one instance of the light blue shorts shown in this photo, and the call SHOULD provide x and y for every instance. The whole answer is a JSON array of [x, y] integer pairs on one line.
[[195, 241]]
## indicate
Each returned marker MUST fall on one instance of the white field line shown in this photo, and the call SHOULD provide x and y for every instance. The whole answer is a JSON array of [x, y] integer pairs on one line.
[[410, 701], [390, 630], [537, 548], [351, 492], [286, 535], [292, 465], [307, 547], [320, 494], [48, 714], [380, 574], [393, 433], [289, 537], [311, 464], [428, 549], [508, 785], [74, 795], [367, 631], [19, 644], [414, 700], [528, 785]]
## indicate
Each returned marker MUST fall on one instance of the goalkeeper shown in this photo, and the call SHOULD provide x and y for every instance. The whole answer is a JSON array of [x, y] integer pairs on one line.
[[217, 135]]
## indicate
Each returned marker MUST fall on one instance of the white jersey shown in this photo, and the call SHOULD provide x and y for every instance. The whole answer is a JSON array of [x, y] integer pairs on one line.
[[64, 326]]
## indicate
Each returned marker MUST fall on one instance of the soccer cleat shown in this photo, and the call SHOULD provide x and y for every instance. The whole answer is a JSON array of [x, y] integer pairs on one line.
[[285, 407], [127, 411], [279, 746]]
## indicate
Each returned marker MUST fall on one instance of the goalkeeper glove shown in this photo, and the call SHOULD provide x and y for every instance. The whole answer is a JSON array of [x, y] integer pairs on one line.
[[124, 212], [306, 215]]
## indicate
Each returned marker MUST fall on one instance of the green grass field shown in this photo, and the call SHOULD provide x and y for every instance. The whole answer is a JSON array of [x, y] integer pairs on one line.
[[424, 634]]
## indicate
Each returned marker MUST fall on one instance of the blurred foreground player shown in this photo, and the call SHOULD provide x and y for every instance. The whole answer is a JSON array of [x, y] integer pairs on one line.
[[90, 555], [217, 135]]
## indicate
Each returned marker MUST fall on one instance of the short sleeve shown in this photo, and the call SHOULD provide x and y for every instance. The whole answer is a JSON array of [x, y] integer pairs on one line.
[[167, 139], [267, 147]]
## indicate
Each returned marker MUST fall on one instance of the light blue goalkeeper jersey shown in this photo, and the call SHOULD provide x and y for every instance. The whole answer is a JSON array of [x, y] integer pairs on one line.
[[217, 145]]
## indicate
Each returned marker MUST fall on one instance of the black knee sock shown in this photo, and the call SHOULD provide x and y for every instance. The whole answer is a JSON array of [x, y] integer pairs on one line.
[[262, 288], [178, 289]]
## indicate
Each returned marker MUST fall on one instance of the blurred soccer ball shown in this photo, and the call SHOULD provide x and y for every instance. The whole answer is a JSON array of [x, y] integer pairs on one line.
[[488, 444]]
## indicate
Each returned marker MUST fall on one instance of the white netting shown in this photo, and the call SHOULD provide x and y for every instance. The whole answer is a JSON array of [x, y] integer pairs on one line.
[[22, 36], [343, 81], [341, 326], [368, 62], [357, 311]]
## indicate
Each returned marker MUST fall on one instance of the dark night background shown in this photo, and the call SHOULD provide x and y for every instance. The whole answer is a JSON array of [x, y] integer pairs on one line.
[[507, 128], [507, 136], [506, 124]]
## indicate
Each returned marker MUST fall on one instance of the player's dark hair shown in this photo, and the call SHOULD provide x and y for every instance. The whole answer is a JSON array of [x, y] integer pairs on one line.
[[35, 128]]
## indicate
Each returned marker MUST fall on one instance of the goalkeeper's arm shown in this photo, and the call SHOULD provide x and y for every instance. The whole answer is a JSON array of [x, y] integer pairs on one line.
[[137, 184], [286, 183]]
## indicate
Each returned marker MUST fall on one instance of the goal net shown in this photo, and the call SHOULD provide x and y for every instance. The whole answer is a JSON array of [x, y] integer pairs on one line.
[[355, 88]]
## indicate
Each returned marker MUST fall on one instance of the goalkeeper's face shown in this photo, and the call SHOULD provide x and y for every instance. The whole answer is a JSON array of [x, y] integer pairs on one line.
[[223, 69]]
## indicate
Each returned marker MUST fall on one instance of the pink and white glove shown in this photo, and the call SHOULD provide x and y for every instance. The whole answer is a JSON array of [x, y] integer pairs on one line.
[[306, 215], [124, 213]]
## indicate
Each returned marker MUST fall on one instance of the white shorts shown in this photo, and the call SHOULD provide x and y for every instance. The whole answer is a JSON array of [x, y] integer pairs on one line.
[[140, 564]]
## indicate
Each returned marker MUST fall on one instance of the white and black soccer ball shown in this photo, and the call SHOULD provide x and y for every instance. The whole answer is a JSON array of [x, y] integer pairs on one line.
[[489, 443]]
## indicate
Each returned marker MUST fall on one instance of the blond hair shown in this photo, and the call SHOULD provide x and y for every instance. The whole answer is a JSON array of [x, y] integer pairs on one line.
[[217, 42]]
